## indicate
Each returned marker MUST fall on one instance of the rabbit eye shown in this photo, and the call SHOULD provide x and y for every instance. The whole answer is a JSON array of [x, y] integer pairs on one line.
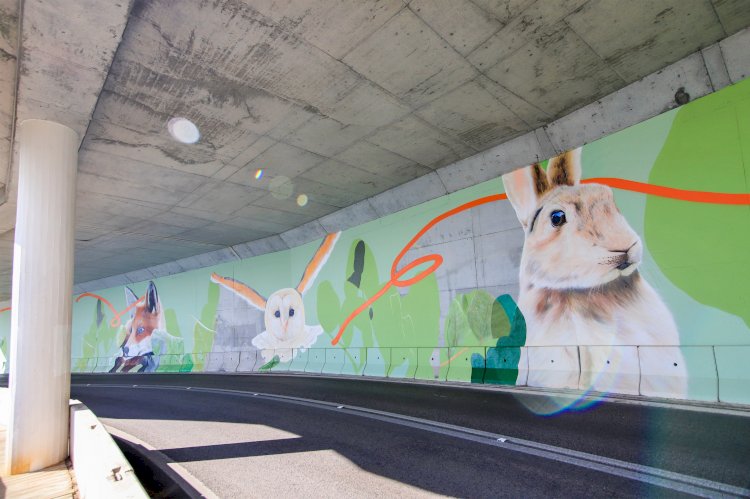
[[291, 312], [557, 217], [140, 330], [277, 314]]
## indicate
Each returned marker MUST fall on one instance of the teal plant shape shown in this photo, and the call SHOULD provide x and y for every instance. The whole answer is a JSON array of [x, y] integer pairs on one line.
[[501, 363]]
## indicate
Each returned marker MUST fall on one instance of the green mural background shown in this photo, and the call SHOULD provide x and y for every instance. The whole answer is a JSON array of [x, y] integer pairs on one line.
[[695, 256]]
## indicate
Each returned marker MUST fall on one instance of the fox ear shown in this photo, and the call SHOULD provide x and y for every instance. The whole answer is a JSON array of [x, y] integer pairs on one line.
[[318, 260], [524, 187], [152, 298], [565, 169], [242, 290], [130, 299]]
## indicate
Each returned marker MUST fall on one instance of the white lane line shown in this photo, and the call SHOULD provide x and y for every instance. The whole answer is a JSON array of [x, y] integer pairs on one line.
[[668, 479], [525, 391]]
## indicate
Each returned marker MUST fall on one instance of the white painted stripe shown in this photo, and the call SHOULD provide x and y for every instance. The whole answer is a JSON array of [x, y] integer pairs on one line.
[[525, 391], [668, 479]]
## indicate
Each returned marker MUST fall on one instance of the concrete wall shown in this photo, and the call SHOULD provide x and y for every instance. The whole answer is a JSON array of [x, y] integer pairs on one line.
[[466, 320]]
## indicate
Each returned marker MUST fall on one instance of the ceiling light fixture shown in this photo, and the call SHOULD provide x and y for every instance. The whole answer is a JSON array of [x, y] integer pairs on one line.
[[302, 200], [183, 130]]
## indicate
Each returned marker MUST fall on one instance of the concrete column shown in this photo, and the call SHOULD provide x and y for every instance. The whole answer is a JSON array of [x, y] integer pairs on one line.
[[42, 297]]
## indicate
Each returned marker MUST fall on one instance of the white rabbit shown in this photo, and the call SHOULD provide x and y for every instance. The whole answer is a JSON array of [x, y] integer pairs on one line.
[[580, 286], [284, 311]]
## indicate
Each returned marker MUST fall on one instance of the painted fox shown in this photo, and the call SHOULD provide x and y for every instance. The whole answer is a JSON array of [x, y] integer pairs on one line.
[[146, 326]]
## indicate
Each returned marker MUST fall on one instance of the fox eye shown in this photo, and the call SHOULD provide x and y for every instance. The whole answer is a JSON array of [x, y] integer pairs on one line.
[[140, 330], [277, 314], [291, 312], [557, 218]]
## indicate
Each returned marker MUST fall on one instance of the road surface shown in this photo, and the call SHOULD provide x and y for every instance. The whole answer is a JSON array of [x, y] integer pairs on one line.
[[376, 438]]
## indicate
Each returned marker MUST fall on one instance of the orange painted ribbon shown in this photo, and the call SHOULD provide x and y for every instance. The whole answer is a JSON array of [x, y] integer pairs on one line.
[[117, 319], [437, 260], [672, 193], [4, 309]]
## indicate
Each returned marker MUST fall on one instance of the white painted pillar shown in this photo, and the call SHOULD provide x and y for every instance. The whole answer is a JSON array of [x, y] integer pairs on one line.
[[42, 297]]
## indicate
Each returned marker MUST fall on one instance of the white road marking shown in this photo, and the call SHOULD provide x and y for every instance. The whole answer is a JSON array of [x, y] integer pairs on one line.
[[668, 479]]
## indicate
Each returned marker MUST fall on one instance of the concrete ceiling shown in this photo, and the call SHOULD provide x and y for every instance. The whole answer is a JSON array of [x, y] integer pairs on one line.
[[335, 99]]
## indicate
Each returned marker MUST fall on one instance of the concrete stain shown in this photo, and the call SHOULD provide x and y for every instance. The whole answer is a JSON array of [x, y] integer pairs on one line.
[[8, 26]]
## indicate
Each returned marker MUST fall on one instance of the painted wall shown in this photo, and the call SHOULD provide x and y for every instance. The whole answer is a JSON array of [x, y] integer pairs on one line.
[[438, 291]]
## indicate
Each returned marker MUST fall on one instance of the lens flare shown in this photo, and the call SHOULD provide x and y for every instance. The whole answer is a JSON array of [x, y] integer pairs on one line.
[[259, 174], [302, 200], [183, 130], [281, 187]]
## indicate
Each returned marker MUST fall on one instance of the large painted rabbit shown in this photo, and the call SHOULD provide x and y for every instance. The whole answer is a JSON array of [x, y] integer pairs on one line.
[[580, 285], [284, 311]]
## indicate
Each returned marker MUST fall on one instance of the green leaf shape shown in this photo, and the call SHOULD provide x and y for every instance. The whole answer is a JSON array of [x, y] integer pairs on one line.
[[701, 247], [501, 364], [100, 340], [174, 347], [328, 306], [475, 319], [187, 363], [394, 320], [203, 339], [270, 364]]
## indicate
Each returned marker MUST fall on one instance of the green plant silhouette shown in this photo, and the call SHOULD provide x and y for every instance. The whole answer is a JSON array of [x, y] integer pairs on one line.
[[410, 319]]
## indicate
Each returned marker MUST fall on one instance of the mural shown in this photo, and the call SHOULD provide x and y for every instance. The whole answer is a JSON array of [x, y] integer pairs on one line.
[[617, 267], [579, 279], [145, 333], [286, 332]]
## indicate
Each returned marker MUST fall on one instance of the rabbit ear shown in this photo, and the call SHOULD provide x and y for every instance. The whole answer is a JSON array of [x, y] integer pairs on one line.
[[317, 262], [565, 169], [524, 187], [242, 290]]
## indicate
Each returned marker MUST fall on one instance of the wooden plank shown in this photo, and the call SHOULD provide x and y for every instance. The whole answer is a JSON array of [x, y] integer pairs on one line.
[[50, 483]]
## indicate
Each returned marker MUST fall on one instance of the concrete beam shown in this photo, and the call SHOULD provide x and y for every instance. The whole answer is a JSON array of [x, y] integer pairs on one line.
[[699, 73]]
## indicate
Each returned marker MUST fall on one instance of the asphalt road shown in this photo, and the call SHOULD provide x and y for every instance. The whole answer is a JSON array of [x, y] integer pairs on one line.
[[241, 445]]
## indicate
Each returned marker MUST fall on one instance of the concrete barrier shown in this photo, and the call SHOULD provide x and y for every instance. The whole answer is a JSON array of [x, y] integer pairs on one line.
[[506, 366], [214, 361], [334, 361], [377, 362], [300, 360], [613, 369], [353, 361], [231, 361], [267, 362], [282, 365], [83, 365], [247, 361], [403, 363], [170, 363], [199, 361], [664, 372], [734, 374], [466, 364], [316, 360], [100, 468], [432, 364], [553, 367], [104, 364]]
